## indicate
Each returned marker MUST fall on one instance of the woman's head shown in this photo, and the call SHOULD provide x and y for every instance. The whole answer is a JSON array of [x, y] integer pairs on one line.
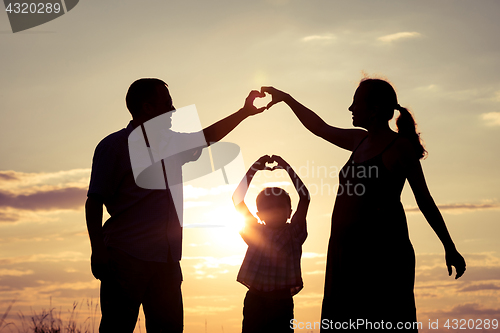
[[376, 99], [380, 97]]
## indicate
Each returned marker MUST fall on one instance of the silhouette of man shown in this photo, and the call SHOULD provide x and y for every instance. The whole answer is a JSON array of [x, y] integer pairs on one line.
[[136, 253]]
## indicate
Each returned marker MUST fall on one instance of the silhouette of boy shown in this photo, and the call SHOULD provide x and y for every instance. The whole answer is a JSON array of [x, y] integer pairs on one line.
[[136, 253], [271, 268]]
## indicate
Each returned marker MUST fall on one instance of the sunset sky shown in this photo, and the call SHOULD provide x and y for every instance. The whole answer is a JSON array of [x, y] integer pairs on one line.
[[63, 86]]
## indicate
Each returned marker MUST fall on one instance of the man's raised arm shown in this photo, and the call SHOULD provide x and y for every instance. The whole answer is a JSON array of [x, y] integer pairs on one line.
[[220, 129]]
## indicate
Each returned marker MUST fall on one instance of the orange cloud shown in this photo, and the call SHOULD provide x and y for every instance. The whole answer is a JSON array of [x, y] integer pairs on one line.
[[55, 198], [8, 175], [470, 309], [22, 192], [460, 207], [483, 286]]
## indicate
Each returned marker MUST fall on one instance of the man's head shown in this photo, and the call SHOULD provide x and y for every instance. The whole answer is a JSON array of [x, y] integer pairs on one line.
[[274, 206], [147, 98]]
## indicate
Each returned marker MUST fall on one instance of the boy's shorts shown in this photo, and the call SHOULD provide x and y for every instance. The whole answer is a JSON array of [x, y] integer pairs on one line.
[[267, 312]]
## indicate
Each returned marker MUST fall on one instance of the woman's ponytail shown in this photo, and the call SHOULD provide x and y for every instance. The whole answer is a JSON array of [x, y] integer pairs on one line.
[[408, 128], [380, 93]]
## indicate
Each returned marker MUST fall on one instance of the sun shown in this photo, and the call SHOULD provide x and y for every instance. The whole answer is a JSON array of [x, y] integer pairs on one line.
[[231, 223]]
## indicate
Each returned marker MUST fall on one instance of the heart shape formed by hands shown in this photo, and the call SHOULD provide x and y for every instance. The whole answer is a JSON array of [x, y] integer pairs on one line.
[[249, 102], [262, 101], [271, 164]]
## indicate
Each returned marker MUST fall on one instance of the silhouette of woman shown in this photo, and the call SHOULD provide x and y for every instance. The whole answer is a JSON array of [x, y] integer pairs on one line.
[[370, 269]]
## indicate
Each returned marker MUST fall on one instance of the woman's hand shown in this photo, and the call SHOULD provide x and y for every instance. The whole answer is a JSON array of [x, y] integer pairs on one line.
[[453, 258], [277, 95]]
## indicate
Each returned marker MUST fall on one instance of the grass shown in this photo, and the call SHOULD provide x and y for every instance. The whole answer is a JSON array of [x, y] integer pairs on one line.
[[51, 321]]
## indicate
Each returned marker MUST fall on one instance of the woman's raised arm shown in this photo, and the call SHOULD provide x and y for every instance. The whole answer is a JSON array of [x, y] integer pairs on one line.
[[344, 138]]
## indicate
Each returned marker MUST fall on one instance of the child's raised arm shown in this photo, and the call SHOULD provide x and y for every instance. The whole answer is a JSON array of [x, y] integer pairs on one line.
[[304, 198], [241, 190]]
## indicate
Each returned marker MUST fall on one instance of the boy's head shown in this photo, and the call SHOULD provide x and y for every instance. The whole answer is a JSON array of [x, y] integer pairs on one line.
[[274, 206]]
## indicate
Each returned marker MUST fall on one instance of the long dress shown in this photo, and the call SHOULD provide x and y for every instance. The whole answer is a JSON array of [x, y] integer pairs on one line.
[[370, 268]]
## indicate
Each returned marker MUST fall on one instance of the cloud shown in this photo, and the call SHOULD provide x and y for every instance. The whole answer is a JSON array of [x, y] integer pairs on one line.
[[481, 273], [398, 36], [65, 190], [15, 272], [71, 293], [314, 38], [478, 287], [44, 274], [319, 272], [469, 309], [211, 267], [7, 216], [309, 300], [312, 255], [21, 192], [49, 286], [493, 118], [212, 262], [207, 310], [431, 270], [67, 256], [15, 180], [211, 297], [310, 295], [497, 96], [46, 199], [425, 295], [460, 207], [8, 175], [472, 274], [429, 87]]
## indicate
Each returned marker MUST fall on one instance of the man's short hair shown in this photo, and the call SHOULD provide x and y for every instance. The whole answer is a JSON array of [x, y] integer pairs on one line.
[[140, 92], [272, 198]]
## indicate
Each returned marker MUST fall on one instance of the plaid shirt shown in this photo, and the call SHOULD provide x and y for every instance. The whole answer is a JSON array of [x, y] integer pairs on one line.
[[272, 261]]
